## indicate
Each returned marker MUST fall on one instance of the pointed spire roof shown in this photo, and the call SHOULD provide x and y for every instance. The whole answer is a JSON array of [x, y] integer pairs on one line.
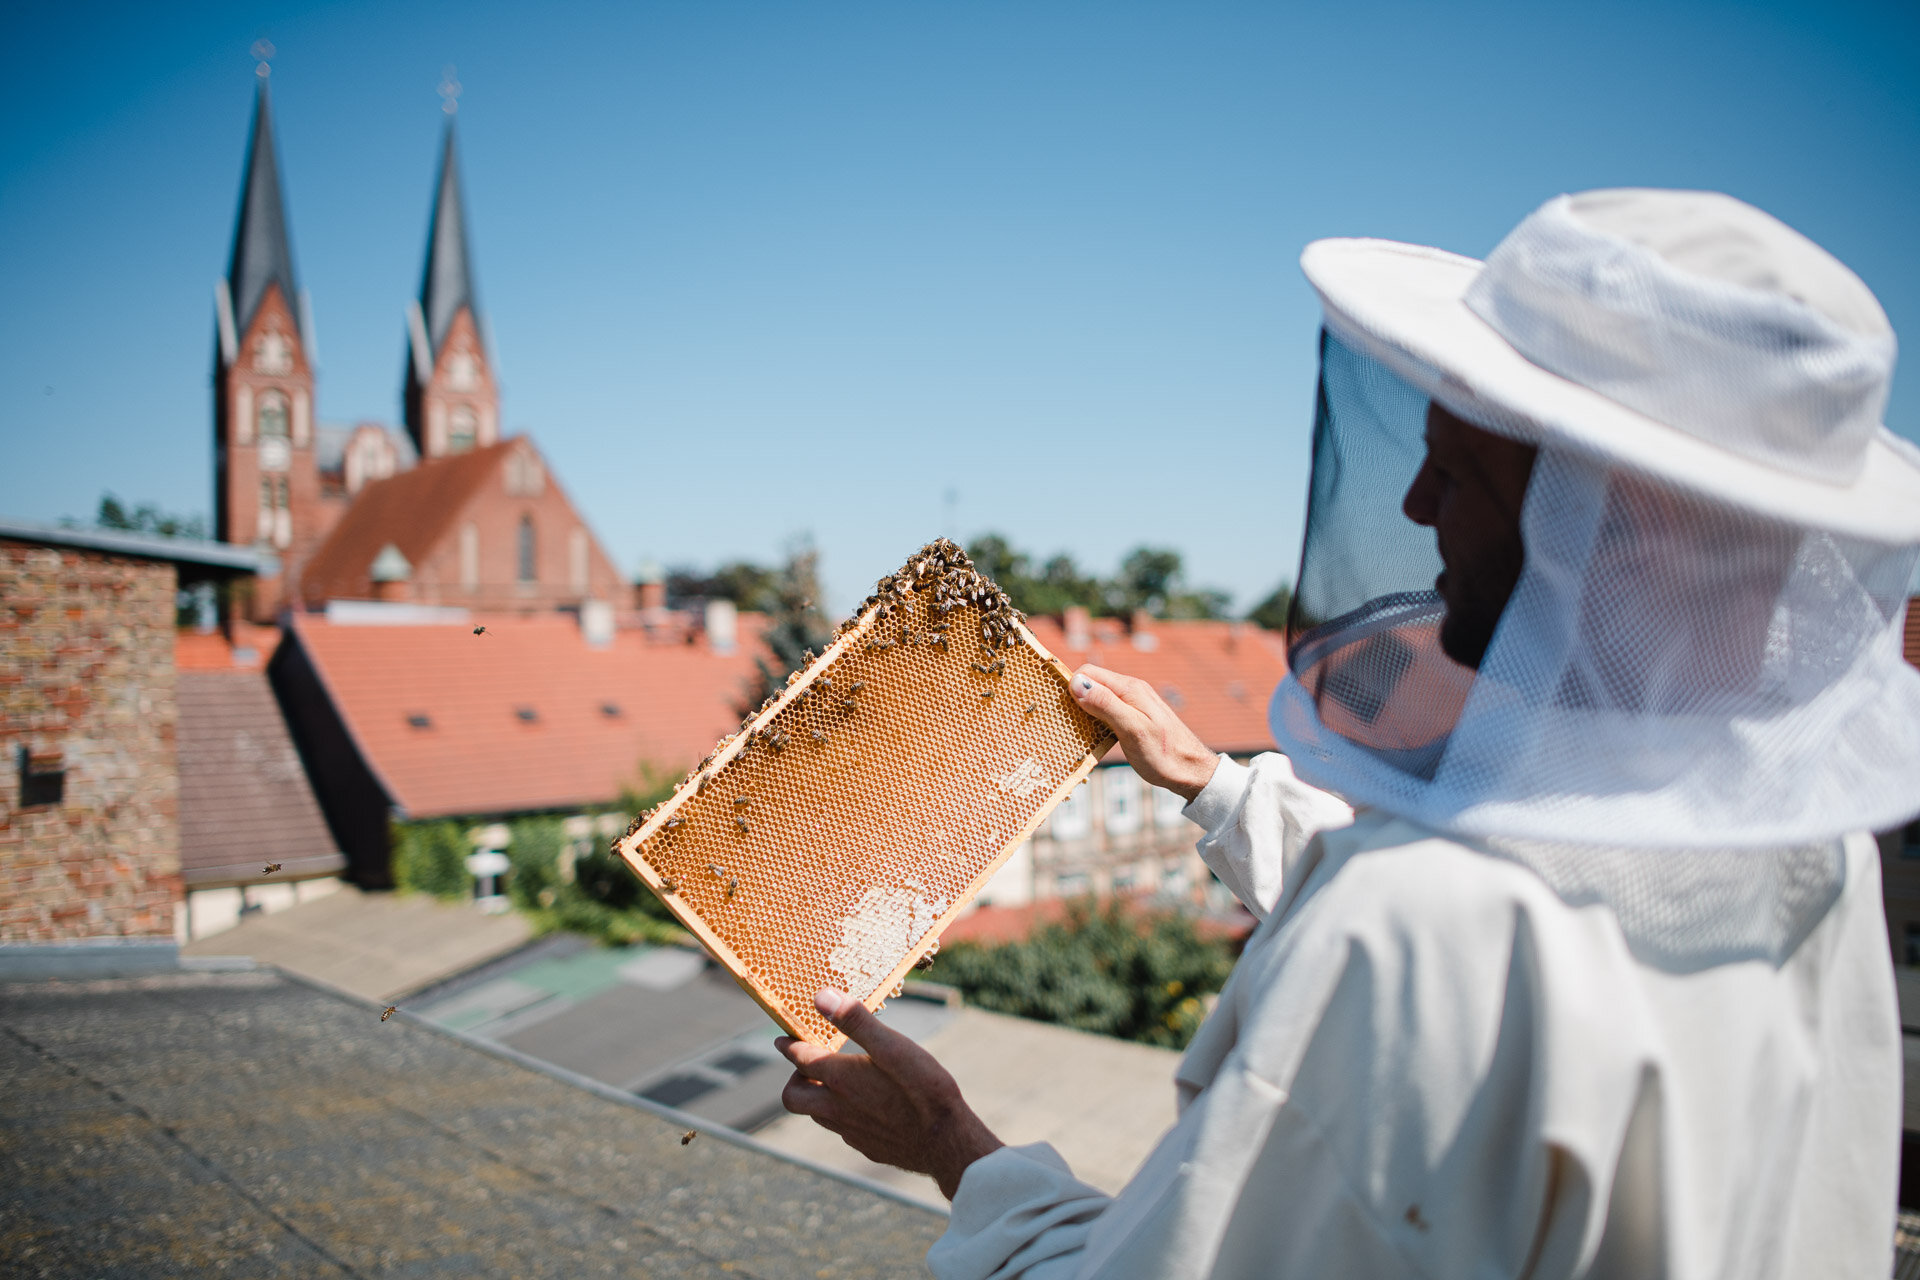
[[261, 254], [447, 284]]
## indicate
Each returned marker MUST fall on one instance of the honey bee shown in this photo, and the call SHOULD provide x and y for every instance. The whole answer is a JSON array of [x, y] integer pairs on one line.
[[479, 631], [825, 682], [269, 869], [1030, 710], [668, 886], [732, 887], [706, 776], [985, 694], [848, 704], [674, 822], [741, 802], [924, 963], [741, 822], [389, 1011], [856, 686], [818, 736], [689, 1136]]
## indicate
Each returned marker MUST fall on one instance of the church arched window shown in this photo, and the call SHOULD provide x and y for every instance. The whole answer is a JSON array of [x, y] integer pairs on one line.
[[272, 421], [460, 429], [527, 571]]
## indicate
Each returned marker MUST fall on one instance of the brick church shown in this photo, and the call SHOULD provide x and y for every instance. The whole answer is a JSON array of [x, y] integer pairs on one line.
[[443, 511]]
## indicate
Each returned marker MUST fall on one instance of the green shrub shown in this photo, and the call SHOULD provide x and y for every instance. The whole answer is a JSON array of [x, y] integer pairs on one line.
[[431, 857], [1120, 973], [535, 857]]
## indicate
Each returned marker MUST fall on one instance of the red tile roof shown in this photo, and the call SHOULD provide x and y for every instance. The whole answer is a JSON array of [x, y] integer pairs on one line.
[[1913, 632], [412, 509], [244, 797], [1218, 675], [248, 650], [477, 754]]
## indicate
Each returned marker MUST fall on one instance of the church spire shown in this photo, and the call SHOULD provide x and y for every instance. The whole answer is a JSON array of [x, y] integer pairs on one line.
[[261, 254], [452, 402], [447, 283]]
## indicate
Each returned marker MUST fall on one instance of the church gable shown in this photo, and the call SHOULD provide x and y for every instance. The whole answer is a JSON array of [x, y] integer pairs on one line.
[[487, 530]]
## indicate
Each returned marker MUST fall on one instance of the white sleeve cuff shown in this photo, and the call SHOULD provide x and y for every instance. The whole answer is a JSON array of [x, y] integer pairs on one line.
[[1220, 800]]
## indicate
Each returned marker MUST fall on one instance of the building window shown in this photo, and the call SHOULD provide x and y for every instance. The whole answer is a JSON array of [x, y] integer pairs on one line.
[[1167, 807], [1074, 884], [1070, 820], [1121, 786], [527, 571], [1913, 943], [460, 429], [272, 423], [273, 353], [272, 420], [43, 779]]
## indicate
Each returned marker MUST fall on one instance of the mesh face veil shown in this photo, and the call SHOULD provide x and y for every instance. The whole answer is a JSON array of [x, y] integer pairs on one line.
[[1672, 670]]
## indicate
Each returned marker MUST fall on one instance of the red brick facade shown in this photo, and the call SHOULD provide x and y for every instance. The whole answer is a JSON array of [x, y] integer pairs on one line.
[[266, 483], [87, 686], [459, 408], [490, 529]]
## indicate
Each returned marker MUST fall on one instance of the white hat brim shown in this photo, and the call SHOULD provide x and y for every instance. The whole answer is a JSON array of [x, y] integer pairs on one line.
[[1405, 306]]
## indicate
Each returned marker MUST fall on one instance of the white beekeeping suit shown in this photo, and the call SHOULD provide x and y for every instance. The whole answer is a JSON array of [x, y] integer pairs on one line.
[[1595, 982]]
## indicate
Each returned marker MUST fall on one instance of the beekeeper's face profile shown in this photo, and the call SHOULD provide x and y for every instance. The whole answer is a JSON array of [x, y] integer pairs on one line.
[[1469, 491]]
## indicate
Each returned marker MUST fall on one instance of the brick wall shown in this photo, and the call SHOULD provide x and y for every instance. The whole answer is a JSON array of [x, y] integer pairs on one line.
[[86, 671]]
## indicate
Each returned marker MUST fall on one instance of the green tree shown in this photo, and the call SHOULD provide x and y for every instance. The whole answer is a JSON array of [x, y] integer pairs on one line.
[[1109, 970], [796, 626], [431, 857], [147, 518], [1150, 578], [1271, 613]]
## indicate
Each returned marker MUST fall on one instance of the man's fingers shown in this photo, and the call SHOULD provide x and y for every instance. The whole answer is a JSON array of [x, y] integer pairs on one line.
[[1107, 706], [882, 1043], [805, 1097], [1132, 690], [810, 1059]]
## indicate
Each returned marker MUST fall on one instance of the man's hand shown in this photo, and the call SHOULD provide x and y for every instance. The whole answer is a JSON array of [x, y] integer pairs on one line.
[[894, 1103], [1157, 742]]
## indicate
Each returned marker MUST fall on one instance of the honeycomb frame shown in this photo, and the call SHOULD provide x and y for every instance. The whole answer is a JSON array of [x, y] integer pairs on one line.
[[858, 811]]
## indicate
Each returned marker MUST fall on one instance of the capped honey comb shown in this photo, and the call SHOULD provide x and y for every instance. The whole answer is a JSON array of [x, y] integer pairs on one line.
[[831, 840]]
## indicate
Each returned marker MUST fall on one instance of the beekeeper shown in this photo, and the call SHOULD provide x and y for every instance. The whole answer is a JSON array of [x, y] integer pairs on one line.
[[1592, 980]]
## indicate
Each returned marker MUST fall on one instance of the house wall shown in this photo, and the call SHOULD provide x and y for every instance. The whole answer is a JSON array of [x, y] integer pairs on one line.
[[1113, 835], [86, 673]]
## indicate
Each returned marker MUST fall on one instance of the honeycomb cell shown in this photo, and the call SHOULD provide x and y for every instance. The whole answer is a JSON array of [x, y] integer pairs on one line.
[[882, 792]]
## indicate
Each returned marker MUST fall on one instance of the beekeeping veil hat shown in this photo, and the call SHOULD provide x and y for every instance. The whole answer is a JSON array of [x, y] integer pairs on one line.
[[1702, 650]]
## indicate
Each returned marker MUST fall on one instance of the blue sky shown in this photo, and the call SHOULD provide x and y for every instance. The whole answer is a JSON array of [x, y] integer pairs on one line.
[[754, 270]]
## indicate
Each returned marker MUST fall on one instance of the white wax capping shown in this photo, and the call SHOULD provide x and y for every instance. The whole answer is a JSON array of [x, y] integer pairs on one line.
[[883, 927]]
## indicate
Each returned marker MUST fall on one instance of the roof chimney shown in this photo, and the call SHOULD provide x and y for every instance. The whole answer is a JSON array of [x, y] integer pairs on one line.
[[1141, 625], [1073, 619], [596, 623], [722, 625], [392, 575], [650, 592]]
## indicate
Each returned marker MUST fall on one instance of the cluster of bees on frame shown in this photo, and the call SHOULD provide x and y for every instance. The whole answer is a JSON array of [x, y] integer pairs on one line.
[[942, 577]]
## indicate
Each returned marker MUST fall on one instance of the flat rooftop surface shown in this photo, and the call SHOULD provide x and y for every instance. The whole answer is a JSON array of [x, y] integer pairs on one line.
[[246, 1124]]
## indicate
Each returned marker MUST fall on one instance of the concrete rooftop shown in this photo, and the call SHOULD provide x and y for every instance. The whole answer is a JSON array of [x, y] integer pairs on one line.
[[252, 1125]]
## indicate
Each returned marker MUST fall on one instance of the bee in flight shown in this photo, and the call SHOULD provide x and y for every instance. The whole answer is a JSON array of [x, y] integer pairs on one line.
[[689, 1136], [269, 869], [479, 631], [389, 1011]]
